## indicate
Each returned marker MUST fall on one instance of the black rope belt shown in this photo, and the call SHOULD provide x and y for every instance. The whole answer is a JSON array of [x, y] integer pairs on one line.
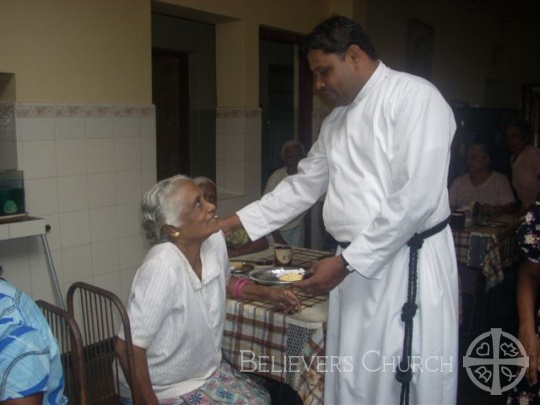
[[408, 311]]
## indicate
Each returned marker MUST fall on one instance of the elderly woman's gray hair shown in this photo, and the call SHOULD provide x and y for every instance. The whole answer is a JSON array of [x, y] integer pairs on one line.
[[290, 144], [161, 205]]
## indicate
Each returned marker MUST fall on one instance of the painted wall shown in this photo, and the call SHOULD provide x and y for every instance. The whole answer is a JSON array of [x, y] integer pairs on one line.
[[87, 51]]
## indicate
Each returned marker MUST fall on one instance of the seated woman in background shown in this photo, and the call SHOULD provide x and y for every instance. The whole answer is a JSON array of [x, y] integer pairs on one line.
[[177, 304], [481, 184], [528, 240], [525, 162], [238, 242]]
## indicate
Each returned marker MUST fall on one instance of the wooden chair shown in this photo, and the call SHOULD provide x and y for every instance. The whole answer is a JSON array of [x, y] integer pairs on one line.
[[101, 313], [68, 335]]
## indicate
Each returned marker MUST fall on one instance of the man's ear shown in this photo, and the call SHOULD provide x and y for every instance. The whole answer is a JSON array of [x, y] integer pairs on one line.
[[355, 53]]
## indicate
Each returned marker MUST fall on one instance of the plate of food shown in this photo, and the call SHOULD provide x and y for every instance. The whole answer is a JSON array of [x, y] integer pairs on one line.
[[277, 275], [241, 266]]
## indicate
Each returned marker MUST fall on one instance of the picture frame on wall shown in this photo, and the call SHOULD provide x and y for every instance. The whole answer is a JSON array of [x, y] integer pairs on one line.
[[420, 48]]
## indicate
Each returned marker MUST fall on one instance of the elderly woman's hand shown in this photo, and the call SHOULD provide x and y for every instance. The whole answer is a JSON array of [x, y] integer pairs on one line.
[[284, 299]]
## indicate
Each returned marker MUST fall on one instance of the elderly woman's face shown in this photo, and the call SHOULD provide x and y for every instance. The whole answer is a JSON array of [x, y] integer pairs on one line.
[[477, 159], [198, 215]]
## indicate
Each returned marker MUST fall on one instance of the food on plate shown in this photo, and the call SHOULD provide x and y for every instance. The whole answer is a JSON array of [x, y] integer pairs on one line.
[[293, 276], [240, 266]]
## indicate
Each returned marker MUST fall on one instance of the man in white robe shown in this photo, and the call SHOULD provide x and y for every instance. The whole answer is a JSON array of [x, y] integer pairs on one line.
[[382, 158]]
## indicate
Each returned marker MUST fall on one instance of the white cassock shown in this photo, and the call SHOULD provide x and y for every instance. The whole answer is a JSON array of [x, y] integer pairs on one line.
[[383, 162]]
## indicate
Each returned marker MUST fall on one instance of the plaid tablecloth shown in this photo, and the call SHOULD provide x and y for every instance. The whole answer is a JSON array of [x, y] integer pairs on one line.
[[287, 348], [489, 248]]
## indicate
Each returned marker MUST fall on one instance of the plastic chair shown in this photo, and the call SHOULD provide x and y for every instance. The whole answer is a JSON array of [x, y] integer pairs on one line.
[[101, 315], [68, 335]]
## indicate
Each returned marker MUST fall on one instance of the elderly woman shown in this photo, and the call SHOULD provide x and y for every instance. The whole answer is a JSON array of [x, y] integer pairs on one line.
[[525, 162], [177, 304], [481, 184]]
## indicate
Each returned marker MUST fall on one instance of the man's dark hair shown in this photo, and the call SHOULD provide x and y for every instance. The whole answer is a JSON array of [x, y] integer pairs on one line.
[[335, 35]]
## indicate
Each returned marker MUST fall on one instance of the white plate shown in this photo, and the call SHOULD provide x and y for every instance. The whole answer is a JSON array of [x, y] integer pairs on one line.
[[271, 276]]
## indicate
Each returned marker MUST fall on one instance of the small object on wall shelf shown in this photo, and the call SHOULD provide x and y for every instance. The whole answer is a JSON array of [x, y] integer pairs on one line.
[[32, 226]]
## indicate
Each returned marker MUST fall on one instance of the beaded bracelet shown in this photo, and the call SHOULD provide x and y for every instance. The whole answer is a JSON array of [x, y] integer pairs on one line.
[[239, 286]]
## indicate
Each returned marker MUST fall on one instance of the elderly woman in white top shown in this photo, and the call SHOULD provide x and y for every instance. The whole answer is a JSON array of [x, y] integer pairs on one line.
[[177, 304], [481, 184]]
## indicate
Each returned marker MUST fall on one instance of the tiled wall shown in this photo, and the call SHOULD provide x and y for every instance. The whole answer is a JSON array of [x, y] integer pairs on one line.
[[238, 157], [85, 169]]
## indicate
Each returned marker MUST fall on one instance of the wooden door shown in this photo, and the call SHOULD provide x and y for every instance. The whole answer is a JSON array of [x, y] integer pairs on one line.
[[170, 95]]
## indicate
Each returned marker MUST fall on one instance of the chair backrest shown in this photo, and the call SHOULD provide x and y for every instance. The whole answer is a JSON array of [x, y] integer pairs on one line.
[[101, 313], [68, 335]]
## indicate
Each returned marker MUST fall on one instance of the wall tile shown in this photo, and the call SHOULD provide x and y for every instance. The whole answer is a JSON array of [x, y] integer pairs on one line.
[[148, 149], [127, 154], [103, 224], [148, 126], [73, 193], [105, 258], [70, 128], [39, 270], [234, 174], [132, 251], [234, 147], [109, 282], [149, 178], [54, 235], [253, 173], [126, 127], [71, 157], [100, 155], [41, 196], [86, 180], [8, 155], [17, 272], [76, 263], [38, 159], [35, 129], [129, 220], [101, 190], [75, 228], [99, 127], [128, 187]]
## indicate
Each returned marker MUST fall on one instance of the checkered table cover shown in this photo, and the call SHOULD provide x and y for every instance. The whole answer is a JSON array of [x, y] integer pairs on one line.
[[287, 349], [488, 248]]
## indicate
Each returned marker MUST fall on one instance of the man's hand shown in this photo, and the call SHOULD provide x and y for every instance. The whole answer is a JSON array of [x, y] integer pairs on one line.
[[229, 224], [326, 275]]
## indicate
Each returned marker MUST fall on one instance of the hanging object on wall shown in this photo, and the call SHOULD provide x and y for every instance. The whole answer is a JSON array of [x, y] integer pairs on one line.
[[420, 48]]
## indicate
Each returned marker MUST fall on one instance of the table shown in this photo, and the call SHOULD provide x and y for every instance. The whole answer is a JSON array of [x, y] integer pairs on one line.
[[489, 247], [287, 348], [483, 252]]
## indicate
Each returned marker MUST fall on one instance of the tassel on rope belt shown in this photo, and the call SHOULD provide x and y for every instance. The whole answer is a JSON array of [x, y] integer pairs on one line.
[[404, 372]]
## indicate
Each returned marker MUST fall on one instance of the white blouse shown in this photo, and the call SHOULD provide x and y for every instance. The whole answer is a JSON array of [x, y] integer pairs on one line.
[[178, 318]]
